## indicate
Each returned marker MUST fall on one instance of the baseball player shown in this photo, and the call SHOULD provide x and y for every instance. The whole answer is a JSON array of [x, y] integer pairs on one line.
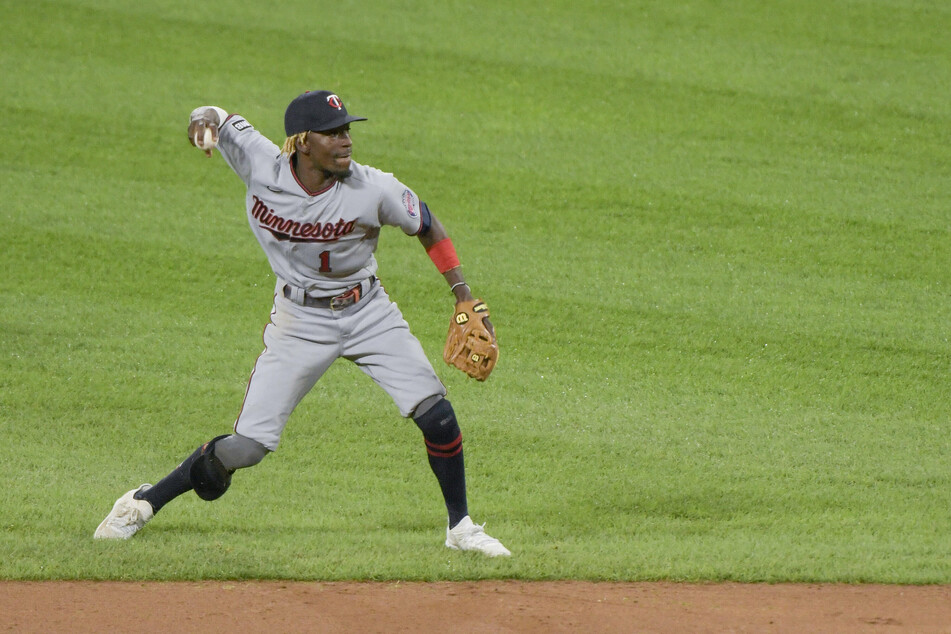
[[317, 214]]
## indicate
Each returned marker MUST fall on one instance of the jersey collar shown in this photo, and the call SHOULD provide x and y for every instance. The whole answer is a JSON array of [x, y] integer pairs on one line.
[[288, 165]]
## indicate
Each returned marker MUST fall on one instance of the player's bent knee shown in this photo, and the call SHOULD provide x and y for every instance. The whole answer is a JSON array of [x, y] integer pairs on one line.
[[237, 452], [426, 404], [439, 424], [209, 477]]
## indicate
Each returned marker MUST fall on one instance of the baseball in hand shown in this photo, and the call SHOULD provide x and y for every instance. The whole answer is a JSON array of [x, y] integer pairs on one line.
[[208, 141]]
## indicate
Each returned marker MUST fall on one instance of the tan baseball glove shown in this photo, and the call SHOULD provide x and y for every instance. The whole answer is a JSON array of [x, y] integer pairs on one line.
[[470, 345]]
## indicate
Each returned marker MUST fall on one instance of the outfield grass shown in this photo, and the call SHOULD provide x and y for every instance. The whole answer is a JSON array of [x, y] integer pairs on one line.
[[714, 238]]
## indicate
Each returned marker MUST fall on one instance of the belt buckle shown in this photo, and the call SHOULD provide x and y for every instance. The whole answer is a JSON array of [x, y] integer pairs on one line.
[[341, 301], [347, 299]]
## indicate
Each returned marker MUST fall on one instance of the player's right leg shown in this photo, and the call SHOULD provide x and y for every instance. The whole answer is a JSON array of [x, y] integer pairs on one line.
[[207, 470], [283, 374]]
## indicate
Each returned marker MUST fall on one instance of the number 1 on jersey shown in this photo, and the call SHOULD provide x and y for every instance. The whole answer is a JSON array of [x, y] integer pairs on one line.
[[325, 262]]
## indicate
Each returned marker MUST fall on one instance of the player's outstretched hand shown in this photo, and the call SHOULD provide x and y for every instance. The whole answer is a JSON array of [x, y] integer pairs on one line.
[[203, 134]]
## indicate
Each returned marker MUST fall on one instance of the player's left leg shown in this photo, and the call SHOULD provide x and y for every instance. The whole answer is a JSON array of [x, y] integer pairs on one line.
[[443, 438], [388, 352]]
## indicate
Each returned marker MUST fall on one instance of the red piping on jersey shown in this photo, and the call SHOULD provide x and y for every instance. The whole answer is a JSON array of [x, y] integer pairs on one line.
[[247, 390], [333, 181]]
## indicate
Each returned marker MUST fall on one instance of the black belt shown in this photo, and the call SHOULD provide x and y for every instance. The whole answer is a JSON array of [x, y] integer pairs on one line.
[[345, 299]]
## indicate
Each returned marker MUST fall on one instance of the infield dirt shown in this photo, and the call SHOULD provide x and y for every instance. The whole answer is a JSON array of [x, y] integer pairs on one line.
[[493, 606]]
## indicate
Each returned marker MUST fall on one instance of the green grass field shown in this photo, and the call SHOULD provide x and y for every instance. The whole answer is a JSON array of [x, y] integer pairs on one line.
[[715, 238]]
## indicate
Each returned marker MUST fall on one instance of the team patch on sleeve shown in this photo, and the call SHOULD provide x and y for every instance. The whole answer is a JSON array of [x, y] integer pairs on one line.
[[411, 204], [239, 123]]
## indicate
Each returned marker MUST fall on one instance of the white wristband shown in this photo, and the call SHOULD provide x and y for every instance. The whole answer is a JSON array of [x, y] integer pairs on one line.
[[198, 113]]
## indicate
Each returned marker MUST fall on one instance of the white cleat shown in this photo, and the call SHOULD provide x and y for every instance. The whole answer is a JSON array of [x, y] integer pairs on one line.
[[469, 536], [128, 515]]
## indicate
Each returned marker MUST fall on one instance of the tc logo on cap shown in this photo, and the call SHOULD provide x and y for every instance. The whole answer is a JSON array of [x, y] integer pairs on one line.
[[335, 102]]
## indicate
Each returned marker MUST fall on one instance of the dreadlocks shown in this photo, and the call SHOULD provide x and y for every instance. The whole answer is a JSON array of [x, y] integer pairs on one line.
[[290, 143]]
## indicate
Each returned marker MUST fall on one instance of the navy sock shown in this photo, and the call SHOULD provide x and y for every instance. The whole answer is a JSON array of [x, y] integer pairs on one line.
[[448, 465], [443, 440], [171, 486]]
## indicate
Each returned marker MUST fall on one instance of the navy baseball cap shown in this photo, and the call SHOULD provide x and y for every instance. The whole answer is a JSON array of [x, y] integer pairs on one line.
[[318, 110]]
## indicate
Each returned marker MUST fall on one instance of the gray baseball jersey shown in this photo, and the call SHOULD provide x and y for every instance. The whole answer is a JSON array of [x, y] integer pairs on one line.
[[320, 245], [321, 241]]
